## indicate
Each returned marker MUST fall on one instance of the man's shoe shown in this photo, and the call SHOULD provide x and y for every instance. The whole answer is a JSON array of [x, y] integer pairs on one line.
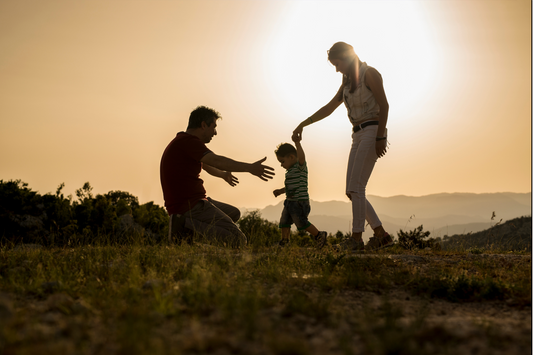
[[379, 242], [321, 239], [283, 242], [177, 232], [350, 245]]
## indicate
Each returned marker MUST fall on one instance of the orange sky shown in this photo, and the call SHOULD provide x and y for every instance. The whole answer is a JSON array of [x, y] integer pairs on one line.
[[94, 91]]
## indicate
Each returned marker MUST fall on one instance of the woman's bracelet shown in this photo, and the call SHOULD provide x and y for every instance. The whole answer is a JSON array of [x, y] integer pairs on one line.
[[380, 138]]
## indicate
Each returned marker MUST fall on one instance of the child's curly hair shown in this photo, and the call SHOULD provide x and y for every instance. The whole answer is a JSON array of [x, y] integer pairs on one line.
[[285, 149]]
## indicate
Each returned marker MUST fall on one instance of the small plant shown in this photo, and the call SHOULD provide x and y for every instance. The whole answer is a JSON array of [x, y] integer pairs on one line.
[[339, 237], [416, 239], [476, 250], [259, 231]]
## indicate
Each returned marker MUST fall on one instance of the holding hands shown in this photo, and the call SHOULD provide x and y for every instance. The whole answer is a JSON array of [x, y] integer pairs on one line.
[[296, 137], [297, 134]]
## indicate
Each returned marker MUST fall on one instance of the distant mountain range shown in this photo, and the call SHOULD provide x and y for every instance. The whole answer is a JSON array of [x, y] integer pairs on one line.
[[441, 214]]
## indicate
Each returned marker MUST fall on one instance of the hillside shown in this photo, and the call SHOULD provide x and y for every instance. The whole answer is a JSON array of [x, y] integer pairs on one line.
[[514, 234]]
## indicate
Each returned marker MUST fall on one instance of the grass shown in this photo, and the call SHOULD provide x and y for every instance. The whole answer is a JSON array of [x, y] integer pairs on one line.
[[168, 299]]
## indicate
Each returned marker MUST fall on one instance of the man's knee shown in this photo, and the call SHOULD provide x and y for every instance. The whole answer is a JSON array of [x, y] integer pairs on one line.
[[235, 215]]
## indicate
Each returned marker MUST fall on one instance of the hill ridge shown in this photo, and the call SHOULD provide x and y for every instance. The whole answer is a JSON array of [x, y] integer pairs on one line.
[[441, 213]]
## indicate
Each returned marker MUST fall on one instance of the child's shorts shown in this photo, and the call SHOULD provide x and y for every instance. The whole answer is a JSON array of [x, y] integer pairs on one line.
[[295, 212]]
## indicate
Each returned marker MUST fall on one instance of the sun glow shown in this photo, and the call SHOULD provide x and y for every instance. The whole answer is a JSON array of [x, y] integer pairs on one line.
[[391, 36]]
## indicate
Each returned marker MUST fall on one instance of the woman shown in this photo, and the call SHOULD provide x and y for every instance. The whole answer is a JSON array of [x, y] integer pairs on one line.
[[364, 97]]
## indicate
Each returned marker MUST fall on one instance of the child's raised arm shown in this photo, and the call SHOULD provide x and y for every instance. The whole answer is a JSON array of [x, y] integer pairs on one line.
[[300, 155]]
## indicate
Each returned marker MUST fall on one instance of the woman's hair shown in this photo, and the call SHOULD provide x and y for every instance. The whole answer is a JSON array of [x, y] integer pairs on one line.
[[343, 51], [202, 114], [285, 149]]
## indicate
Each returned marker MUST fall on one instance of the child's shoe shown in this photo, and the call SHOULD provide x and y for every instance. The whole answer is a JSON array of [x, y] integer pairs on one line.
[[283, 242], [321, 239], [379, 242]]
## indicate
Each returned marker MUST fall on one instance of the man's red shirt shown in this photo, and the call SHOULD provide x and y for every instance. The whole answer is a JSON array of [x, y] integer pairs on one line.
[[180, 173]]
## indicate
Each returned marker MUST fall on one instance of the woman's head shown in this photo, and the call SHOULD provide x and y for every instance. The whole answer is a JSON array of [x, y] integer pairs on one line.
[[342, 51], [343, 57]]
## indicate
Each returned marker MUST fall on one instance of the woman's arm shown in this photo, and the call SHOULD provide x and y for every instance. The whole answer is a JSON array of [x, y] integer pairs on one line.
[[375, 84], [322, 113]]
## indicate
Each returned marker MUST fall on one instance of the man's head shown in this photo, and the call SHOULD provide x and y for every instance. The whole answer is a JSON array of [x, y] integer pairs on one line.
[[202, 123], [286, 154]]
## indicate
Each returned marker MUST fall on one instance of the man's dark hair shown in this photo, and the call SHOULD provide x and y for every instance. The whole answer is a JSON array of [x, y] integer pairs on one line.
[[284, 150], [202, 114]]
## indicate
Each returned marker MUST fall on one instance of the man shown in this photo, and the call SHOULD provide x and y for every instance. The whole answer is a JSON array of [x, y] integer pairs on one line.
[[185, 196]]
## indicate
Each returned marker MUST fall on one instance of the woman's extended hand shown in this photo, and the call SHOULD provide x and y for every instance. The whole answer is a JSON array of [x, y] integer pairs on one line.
[[297, 133], [381, 148]]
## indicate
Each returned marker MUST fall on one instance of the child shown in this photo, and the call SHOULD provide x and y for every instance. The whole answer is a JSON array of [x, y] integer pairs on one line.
[[296, 207]]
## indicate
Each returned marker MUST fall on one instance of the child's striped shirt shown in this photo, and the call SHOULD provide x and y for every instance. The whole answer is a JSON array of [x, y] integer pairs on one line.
[[296, 182]]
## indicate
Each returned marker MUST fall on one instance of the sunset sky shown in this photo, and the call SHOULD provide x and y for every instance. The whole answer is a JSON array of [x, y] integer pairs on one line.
[[94, 90]]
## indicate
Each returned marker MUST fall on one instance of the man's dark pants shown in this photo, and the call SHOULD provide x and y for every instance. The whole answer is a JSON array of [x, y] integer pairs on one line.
[[214, 221]]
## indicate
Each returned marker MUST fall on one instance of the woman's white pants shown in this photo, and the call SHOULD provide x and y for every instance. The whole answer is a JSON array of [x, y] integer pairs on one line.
[[361, 162]]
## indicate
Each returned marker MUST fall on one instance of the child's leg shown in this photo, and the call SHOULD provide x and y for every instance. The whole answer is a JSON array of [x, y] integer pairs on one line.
[[312, 230], [319, 237], [285, 233]]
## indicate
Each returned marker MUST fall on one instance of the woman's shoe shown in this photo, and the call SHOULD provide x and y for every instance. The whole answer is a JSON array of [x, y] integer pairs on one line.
[[379, 242]]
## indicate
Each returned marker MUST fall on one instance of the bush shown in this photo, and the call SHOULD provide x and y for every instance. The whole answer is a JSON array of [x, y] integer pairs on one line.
[[51, 219], [339, 237], [415, 239], [259, 231]]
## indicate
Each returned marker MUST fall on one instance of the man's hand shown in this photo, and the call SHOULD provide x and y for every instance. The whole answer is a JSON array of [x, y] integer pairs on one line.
[[230, 178], [263, 172]]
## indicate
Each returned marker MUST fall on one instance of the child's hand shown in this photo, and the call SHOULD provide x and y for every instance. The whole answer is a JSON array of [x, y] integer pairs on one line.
[[278, 192], [296, 137]]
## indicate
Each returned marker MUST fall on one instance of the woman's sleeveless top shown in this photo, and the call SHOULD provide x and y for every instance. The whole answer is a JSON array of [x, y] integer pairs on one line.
[[361, 104]]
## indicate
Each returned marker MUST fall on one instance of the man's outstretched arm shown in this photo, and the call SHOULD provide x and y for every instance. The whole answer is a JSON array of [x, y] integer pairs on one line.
[[220, 162], [225, 175]]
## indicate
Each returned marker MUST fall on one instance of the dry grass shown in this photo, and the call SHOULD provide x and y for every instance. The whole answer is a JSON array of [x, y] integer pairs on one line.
[[200, 299]]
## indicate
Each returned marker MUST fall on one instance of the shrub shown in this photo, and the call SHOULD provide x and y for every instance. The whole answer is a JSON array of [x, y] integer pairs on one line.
[[51, 219], [415, 239], [259, 231]]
